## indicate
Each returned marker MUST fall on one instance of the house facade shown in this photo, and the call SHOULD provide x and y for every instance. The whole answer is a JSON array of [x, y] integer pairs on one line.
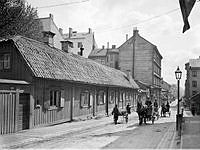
[[143, 60], [42, 85], [106, 56], [192, 82], [165, 92], [83, 40]]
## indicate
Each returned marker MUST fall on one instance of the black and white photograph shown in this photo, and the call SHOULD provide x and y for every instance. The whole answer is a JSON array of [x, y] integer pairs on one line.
[[99, 74]]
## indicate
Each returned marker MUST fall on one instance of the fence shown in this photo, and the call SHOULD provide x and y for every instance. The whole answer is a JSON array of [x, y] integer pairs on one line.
[[8, 111]]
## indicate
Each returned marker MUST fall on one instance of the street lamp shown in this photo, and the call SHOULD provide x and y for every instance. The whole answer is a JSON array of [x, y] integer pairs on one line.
[[178, 74]]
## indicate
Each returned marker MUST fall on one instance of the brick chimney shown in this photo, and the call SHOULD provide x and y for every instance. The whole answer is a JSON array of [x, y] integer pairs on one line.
[[103, 46], [135, 31], [48, 38], [126, 37], [61, 31], [107, 45], [70, 32], [66, 45], [51, 16], [113, 46], [89, 30]]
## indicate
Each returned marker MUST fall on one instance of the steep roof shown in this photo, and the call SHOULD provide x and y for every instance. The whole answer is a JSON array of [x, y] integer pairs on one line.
[[98, 52], [51, 63]]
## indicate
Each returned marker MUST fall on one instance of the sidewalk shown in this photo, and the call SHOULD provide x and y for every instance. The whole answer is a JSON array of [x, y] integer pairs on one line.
[[191, 132], [49, 132]]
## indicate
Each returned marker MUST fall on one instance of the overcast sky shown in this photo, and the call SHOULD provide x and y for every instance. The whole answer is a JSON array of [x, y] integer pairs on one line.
[[111, 20]]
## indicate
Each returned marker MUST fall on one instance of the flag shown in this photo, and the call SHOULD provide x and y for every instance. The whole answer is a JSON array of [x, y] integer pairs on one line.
[[186, 7]]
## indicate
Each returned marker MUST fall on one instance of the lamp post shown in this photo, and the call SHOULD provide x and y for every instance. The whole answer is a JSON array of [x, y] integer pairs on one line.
[[178, 74]]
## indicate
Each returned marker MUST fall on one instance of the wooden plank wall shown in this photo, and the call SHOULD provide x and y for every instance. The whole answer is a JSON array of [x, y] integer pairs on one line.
[[7, 112]]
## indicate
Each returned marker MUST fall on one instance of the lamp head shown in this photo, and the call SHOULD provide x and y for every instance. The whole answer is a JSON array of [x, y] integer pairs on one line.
[[178, 73]]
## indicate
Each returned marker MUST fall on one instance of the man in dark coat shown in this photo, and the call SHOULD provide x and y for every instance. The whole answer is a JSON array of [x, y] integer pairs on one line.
[[128, 109], [116, 113]]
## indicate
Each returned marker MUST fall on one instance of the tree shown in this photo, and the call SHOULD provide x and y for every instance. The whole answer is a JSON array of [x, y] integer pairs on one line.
[[18, 18]]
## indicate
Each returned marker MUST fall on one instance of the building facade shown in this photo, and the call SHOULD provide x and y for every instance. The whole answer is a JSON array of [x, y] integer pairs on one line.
[[83, 40], [192, 82], [166, 94], [143, 60], [42, 85], [106, 56]]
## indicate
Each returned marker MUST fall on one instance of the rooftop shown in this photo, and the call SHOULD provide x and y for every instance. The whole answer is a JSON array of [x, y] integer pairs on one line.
[[52, 63]]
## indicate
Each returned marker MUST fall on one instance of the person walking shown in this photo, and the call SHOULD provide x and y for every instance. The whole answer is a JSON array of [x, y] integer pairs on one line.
[[115, 114], [128, 109]]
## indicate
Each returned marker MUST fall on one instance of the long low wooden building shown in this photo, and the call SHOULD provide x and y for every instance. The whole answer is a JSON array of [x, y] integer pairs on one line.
[[42, 85]]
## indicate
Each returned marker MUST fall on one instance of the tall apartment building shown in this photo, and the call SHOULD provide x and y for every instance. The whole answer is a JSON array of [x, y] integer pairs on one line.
[[143, 60], [192, 82]]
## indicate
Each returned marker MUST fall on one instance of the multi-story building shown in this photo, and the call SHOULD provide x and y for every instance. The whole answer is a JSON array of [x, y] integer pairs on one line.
[[192, 83], [83, 40], [165, 91], [51, 34], [143, 60], [106, 56]]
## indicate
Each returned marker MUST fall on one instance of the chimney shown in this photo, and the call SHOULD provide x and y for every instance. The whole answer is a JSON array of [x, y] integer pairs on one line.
[[113, 46], [51, 16], [128, 73], [61, 31], [89, 30], [126, 37], [48, 38], [107, 45], [135, 31], [70, 32], [103, 46], [66, 45]]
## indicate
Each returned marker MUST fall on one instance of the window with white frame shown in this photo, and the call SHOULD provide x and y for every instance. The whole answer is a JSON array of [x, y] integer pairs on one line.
[[85, 99], [112, 97], [55, 97], [101, 97], [4, 61]]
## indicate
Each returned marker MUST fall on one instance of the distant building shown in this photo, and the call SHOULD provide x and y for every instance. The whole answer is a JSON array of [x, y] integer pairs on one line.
[[165, 91], [52, 35], [106, 56], [192, 83], [143, 59], [83, 40]]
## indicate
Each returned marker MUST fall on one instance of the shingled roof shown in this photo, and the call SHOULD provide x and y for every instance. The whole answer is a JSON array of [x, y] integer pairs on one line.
[[51, 63]]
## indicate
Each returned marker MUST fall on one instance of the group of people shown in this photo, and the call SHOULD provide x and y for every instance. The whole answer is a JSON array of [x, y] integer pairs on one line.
[[147, 111], [164, 109], [116, 113]]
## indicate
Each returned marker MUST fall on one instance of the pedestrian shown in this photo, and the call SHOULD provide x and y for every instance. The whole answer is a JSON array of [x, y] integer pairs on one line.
[[128, 109], [115, 114], [167, 106], [193, 110], [155, 104]]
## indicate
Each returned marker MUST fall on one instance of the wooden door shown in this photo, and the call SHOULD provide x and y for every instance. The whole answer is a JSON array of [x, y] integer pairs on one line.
[[24, 111]]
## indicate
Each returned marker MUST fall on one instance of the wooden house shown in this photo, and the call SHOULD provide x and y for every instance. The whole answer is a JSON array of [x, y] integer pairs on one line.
[[42, 85]]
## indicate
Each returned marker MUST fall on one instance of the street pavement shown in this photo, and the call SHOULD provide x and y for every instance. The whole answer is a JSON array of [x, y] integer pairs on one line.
[[98, 133], [191, 132]]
